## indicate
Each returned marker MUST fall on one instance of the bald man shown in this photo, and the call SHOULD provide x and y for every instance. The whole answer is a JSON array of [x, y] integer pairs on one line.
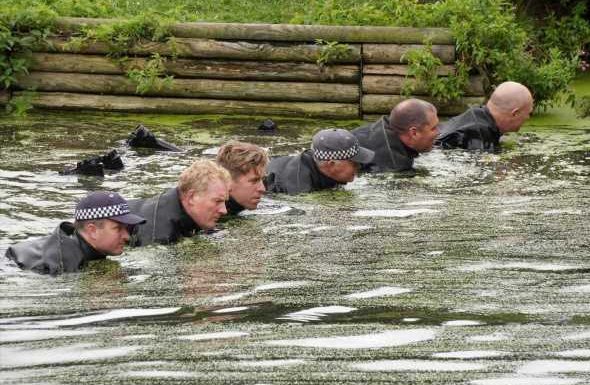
[[397, 139], [480, 128]]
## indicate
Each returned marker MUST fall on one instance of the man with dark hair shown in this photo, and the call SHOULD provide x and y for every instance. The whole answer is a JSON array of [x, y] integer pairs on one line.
[[101, 228], [196, 203], [333, 160], [246, 163], [396, 140], [480, 128]]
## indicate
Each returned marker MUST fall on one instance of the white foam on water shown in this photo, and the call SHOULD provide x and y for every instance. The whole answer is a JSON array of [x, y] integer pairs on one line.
[[563, 211], [267, 211], [490, 337], [271, 363], [158, 374], [359, 228], [231, 309], [385, 291], [211, 151], [578, 336], [526, 381], [555, 366], [41, 334], [462, 323], [138, 337], [411, 319], [575, 353], [112, 315], [518, 266], [213, 336], [232, 297], [435, 253], [576, 289], [391, 213], [471, 354], [138, 278], [366, 341], [281, 285], [394, 271], [316, 313], [21, 357], [417, 366], [425, 203]]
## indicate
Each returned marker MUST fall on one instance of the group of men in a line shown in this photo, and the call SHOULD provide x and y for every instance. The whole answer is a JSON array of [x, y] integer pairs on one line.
[[208, 190]]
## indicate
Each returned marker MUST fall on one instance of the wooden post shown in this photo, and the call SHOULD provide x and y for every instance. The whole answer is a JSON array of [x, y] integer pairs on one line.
[[73, 101], [388, 85], [394, 53], [191, 68], [382, 104], [192, 88]]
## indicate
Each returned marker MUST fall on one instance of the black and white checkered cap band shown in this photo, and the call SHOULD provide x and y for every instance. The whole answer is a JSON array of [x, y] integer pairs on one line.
[[336, 154], [102, 212]]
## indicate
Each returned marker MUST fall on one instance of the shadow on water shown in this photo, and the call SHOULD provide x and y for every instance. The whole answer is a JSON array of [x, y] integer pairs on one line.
[[472, 269]]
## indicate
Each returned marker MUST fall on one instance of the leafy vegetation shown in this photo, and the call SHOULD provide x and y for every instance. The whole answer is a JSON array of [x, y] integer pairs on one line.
[[537, 43]]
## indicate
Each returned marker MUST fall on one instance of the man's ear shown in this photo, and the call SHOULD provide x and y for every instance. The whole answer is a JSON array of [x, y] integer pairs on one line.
[[515, 112], [90, 230]]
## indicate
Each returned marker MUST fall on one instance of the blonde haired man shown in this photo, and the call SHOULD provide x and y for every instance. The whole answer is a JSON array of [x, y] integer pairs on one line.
[[196, 203], [246, 163]]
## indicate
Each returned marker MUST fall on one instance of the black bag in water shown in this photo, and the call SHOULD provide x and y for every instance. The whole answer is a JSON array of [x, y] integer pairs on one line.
[[92, 166], [143, 137], [112, 161]]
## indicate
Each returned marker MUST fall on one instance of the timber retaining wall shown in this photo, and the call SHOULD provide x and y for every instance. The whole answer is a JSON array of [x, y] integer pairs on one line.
[[247, 69]]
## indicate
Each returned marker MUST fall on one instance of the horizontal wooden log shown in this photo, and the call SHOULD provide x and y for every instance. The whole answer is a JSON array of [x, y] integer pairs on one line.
[[192, 88], [401, 69], [288, 32], [210, 49], [391, 85], [382, 104], [136, 104], [191, 68], [394, 53]]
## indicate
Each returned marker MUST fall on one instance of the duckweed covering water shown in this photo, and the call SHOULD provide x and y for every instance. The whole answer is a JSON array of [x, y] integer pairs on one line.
[[475, 270]]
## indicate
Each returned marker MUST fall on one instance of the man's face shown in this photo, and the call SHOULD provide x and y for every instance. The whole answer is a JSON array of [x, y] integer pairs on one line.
[[519, 117], [248, 189], [207, 207], [108, 238], [423, 138], [342, 171]]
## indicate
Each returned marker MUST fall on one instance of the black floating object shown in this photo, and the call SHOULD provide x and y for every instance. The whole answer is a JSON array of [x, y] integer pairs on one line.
[[92, 166], [143, 137], [268, 125], [112, 161]]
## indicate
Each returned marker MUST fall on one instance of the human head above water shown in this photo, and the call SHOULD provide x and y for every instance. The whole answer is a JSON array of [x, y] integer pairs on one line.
[[246, 163], [203, 188], [416, 123], [103, 219], [511, 104], [338, 154]]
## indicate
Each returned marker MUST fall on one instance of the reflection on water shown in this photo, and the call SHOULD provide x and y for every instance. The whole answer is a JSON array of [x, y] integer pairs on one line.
[[475, 270]]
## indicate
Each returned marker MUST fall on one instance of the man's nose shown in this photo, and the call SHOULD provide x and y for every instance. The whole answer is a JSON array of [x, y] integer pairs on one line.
[[125, 234], [222, 209], [260, 187]]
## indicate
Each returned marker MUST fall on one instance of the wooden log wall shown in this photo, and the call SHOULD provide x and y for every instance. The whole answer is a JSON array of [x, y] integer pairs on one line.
[[251, 69]]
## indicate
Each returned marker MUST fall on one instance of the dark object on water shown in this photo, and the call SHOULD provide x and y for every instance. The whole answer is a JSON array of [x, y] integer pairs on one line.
[[143, 137], [268, 125], [112, 160], [92, 166], [96, 165]]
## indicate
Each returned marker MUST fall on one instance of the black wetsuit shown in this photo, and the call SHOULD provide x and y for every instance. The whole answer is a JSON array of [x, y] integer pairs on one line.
[[167, 222], [296, 174], [63, 251], [475, 129], [233, 207], [390, 153]]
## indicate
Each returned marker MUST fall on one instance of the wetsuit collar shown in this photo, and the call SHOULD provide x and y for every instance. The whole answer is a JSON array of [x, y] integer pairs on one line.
[[319, 180], [184, 224], [233, 207], [89, 252]]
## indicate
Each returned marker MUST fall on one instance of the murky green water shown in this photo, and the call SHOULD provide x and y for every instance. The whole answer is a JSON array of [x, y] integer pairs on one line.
[[474, 271]]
